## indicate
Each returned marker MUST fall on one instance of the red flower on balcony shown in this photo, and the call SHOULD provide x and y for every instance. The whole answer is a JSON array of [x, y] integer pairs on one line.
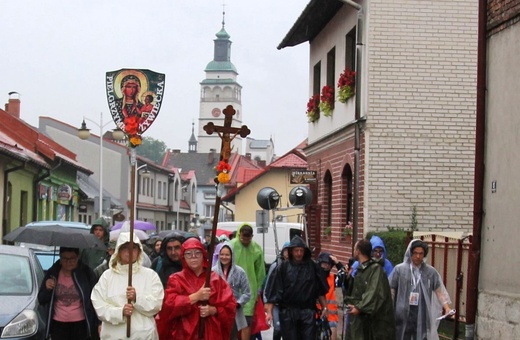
[[327, 100], [346, 83], [313, 109]]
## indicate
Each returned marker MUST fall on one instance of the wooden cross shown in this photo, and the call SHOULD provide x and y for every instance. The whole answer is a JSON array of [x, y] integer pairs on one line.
[[225, 132]]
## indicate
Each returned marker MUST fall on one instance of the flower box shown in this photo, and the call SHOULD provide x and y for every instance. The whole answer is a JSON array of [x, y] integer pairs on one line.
[[313, 110], [327, 100], [346, 85]]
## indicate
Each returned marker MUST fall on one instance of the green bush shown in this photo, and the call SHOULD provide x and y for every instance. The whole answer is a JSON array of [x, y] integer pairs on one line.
[[395, 244]]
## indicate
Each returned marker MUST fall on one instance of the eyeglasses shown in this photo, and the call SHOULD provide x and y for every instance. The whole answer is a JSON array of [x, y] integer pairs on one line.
[[192, 254], [68, 259]]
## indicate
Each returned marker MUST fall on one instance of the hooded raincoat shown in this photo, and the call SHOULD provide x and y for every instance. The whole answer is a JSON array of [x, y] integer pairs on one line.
[[295, 288], [179, 319], [94, 257], [426, 281], [376, 241], [163, 265], [372, 297], [251, 259], [237, 279], [109, 297]]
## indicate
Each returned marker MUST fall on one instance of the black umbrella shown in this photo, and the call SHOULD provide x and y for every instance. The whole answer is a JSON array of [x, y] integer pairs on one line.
[[55, 235]]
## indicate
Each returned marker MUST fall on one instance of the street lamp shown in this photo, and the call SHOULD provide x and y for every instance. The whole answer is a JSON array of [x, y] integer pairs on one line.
[[84, 133]]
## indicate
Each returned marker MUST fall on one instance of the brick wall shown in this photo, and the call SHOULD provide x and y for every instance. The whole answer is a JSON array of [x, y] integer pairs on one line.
[[422, 59], [333, 157], [502, 14]]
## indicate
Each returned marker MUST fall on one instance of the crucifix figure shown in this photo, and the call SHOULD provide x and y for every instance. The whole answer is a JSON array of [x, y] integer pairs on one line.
[[227, 133]]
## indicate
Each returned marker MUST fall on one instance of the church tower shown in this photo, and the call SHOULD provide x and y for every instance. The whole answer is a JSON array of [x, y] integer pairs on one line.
[[192, 143], [218, 90]]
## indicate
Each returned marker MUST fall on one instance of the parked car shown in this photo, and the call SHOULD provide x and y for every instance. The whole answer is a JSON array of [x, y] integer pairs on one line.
[[47, 255], [21, 315]]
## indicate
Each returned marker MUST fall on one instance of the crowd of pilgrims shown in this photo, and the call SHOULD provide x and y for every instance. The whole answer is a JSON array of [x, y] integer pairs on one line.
[[159, 289]]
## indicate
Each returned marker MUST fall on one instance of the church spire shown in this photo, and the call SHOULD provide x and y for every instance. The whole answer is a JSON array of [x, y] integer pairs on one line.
[[192, 144], [223, 15]]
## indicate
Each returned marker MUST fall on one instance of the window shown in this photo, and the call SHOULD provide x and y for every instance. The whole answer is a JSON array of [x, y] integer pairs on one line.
[[209, 195], [159, 189], [152, 188], [327, 186], [164, 190], [350, 49], [331, 68], [209, 210], [316, 79], [347, 195]]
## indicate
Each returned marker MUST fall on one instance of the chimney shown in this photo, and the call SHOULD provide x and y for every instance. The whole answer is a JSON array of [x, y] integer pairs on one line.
[[261, 163], [13, 106], [175, 151], [248, 155], [211, 156]]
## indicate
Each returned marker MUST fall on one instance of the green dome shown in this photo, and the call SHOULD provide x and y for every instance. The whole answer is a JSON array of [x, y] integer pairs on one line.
[[220, 66], [222, 34]]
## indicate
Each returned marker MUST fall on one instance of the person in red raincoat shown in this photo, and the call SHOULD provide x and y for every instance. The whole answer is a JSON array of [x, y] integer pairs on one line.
[[182, 308]]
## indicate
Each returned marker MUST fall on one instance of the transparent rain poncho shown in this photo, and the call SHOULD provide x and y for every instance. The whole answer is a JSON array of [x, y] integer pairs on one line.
[[427, 305]]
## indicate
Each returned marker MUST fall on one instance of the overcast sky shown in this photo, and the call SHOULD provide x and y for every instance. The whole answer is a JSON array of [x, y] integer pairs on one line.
[[56, 53]]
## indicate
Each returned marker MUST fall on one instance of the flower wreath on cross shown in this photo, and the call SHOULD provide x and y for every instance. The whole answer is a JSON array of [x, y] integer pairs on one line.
[[223, 169], [327, 100], [346, 84], [313, 109]]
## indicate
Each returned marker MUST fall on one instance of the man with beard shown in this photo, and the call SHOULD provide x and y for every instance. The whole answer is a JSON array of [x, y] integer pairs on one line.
[[370, 303], [169, 260], [297, 284]]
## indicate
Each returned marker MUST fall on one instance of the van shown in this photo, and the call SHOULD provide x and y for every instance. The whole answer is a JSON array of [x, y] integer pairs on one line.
[[265, 237]]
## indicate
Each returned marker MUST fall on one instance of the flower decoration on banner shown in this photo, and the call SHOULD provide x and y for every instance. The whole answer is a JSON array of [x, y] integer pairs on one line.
[[313, 109], [131, 129], [223, 169], [346, 84], [327, 100]]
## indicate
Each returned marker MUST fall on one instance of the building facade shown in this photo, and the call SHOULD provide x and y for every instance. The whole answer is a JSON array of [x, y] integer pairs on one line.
[[498, 294], [218, 90], [404, 141]]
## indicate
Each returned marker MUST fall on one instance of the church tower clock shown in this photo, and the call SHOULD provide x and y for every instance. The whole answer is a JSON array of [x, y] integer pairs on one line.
[[218, 90]]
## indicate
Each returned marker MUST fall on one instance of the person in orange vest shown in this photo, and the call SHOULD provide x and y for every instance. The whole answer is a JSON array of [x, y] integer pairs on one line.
[[326, 261]]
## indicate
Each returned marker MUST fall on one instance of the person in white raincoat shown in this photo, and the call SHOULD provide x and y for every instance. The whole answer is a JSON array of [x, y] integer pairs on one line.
[[111, 294], [419, 295]]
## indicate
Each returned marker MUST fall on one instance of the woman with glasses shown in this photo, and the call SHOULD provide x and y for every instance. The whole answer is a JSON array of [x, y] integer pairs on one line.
[[118, 304], [185, 308], [66, 291]]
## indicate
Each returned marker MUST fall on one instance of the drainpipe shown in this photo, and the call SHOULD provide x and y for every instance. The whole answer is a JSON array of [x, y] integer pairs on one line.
[[6, 183], [474, 255], [357, 115]]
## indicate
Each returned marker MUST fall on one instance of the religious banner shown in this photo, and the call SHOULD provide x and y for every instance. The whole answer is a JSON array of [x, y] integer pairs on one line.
[[134, 98]]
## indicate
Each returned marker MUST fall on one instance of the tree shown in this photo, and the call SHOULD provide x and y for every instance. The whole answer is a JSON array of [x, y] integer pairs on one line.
[[152, 149]]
